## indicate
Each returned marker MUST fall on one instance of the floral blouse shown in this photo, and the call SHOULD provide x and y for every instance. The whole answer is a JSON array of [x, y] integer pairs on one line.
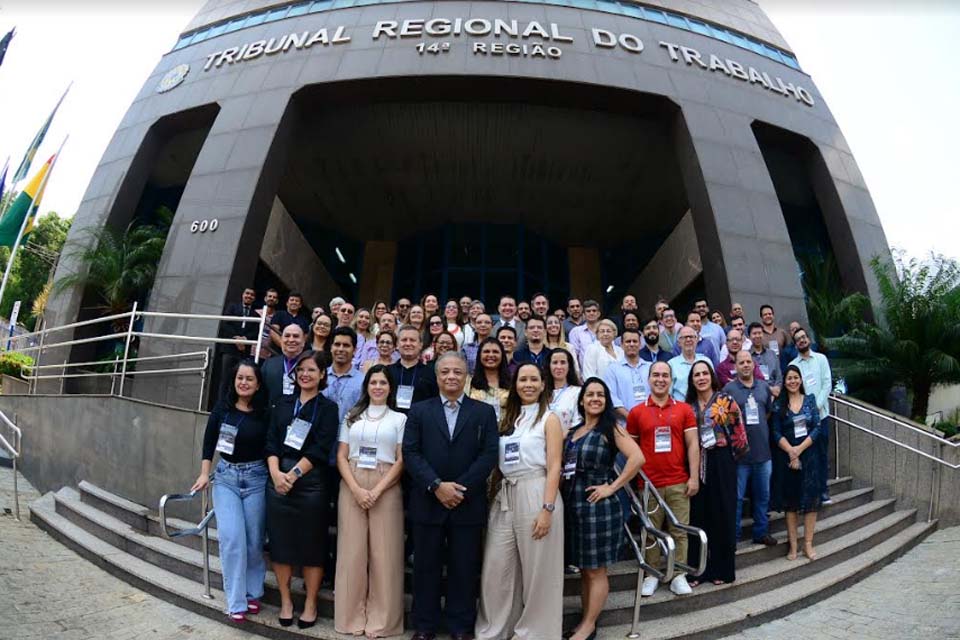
[[723, 415]]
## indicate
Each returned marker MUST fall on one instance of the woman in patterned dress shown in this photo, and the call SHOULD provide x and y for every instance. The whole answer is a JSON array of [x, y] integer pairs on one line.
[[714, 508], [797, 469], [594, 515]]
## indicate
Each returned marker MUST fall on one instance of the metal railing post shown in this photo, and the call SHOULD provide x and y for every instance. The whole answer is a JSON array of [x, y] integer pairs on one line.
[[113, 378], [36, 362], [203, 377], [126, 347], [205, 543], [263, 322], [16, 459]]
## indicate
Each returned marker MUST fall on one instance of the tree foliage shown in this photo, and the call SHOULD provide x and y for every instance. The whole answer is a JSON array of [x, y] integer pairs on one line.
[[33, 266], [118, 266], [917, 343], [831, 311]]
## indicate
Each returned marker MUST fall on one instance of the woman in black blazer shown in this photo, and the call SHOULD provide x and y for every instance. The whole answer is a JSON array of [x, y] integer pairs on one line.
[[303, 429]]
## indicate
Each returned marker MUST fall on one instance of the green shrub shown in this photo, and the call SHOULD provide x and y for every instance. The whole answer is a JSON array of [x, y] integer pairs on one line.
[[949, 429], [13, 363]]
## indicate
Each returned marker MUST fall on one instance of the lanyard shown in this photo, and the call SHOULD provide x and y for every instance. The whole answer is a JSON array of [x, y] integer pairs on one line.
[[239, 422], [288, 365], [297, 406], [403, 371]]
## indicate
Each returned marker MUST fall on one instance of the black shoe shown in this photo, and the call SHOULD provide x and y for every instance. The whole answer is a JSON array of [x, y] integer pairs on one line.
[[303, 624], [767, 540], [285, 622]]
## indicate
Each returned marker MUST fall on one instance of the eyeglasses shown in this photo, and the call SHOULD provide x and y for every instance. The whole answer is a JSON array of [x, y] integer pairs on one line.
[[436, 323], [324, 324], [348, 312]]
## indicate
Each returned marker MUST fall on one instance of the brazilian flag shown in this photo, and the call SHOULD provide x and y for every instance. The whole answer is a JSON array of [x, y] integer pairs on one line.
[[26, 204]]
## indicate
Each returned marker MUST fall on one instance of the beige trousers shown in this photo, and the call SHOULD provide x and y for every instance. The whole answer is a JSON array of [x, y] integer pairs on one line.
[[521, 586], [369, 594], [679, 503]]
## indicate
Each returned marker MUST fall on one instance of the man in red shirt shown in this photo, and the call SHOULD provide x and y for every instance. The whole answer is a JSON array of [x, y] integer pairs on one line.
[[666, 431]]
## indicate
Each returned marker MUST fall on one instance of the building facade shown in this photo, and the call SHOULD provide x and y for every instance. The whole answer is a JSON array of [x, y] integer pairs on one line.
[[372, 149]]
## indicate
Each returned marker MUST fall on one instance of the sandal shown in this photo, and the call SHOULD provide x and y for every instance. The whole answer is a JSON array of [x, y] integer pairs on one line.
[[694, 584], [719, 582]]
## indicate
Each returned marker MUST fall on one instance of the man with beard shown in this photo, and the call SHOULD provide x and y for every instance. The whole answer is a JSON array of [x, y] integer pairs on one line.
[[651, 351]]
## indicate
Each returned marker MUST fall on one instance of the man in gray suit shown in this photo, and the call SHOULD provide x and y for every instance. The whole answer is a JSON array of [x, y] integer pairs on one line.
[[508, 318]]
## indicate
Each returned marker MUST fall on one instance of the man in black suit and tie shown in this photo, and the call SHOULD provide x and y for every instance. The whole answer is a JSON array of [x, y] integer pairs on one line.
[[278, 370], [450, 446], [231, 354]]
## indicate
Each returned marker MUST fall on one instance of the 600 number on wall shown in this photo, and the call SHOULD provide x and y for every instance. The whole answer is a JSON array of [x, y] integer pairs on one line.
[[202, 226]]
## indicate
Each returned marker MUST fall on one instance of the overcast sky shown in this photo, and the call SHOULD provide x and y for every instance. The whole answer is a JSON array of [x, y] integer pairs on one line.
[[887, 68]]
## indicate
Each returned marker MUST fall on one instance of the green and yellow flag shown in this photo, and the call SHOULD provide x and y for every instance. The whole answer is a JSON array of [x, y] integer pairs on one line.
[[26, 204]]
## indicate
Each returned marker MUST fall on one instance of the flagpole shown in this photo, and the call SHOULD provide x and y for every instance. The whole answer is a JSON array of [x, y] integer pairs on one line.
[[26, 221]]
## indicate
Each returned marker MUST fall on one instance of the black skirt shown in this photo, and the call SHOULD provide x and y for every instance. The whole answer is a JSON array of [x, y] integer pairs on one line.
[[714, 509], [297, 523]]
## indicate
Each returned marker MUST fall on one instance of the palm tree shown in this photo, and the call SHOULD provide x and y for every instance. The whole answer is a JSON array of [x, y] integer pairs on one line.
[[120, 266], [918, 342], [830, 311]]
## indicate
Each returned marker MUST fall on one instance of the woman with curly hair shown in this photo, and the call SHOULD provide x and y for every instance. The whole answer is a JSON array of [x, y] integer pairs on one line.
[[723, 439]]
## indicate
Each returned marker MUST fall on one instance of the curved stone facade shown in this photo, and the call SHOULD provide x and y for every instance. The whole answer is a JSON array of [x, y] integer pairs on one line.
[[259, 85]]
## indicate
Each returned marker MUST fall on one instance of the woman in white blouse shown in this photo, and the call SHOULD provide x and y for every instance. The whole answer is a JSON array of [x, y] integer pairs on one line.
[[369, 595], [521, 587], [602, 353], [563, 388]]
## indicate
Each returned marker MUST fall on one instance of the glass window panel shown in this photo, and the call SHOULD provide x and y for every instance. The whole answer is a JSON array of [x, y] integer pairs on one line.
[[466, 245], [609, 6], [277, 14], [677, 21], [320, 5], [699, 27], [499, 283], [181, 43], [585, 4], [719, 34], [255, 19], [299, 9], [655, 16], [234, 25], [217, 30], [502, 247], [342, 4], [790, 60], [632, 10]]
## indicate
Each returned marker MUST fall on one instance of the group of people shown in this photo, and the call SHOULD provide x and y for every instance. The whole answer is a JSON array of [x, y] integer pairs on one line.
[[486, 449]]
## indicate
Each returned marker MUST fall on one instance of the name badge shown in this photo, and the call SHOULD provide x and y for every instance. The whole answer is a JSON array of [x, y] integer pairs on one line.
[[662, 440], [765, 370], [296, 433], [810, 383], [511, 453], [288, 385], [708, 439], [570, 463], [753, 412], [640, 393], [775, 347], [368, 457], [405, 396], [799, 427], [227, 439]]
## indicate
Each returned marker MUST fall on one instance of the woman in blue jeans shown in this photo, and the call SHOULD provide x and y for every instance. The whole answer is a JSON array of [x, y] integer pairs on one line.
[[237, 430]]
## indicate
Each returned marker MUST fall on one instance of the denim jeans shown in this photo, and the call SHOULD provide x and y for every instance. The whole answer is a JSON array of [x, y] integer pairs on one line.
[[239, 499], [759, 477]]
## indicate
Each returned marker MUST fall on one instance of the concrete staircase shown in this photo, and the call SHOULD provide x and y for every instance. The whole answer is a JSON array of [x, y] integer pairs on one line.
[[856, 535]]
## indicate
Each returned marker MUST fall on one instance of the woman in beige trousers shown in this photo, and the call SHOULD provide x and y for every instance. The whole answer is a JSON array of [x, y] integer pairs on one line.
[[369, 595], [521, 594]]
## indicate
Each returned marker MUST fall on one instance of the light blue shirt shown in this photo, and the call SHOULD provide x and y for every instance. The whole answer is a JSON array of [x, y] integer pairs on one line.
[[581, 338], [626, 382], [714, 333], [817, 379], [343, 389], [680, 370], [451, 412]]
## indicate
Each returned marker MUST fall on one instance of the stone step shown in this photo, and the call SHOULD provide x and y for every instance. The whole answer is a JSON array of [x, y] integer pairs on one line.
[[841, 502], [751, 580], [703, 623], [775, 604]]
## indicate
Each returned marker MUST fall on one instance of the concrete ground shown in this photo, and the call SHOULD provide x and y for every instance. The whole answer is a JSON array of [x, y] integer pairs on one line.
[[49, 592]]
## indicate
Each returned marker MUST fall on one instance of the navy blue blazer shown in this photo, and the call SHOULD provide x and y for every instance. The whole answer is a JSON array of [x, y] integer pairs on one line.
[[467, 458]]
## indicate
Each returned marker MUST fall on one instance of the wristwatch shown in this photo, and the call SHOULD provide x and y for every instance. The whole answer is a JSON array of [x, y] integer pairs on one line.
[[297, 472], [549, 507], [433, 486]]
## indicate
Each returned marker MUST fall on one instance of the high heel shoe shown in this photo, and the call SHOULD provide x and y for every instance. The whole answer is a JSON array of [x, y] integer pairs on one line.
[[285, 622], [303, 624]]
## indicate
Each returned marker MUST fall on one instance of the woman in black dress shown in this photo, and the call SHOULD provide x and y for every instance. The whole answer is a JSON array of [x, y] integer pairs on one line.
[[797, 470], [303, 429], [594, 517], [714, 508]]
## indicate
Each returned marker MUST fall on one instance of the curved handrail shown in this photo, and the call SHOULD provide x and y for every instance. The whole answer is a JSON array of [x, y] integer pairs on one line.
[[840, 400], [201, 529], [686, 528]]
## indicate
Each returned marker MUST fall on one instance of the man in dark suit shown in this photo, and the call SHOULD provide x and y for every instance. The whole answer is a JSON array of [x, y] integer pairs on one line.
[[450, 446], [278, 371], [228, 355]]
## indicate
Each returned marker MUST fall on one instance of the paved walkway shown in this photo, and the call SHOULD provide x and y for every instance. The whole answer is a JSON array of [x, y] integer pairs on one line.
[[50, 592]]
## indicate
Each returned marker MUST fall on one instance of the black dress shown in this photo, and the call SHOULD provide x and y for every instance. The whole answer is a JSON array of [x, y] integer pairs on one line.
[[798, 490], [714, 508], [297, 523]]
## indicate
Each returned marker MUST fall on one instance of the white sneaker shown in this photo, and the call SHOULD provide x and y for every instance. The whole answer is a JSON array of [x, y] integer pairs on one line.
[[650, 585], [680, 587]]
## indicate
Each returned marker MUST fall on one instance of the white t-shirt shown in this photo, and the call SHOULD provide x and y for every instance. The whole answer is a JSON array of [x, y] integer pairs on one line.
[[385, 434], [564, 405]]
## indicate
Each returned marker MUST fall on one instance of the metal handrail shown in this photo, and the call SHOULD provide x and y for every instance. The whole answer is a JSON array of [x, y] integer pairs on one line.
[[201, 529], [15, 452], [686, 528], [128, 335], [661, 538], [900, 423]]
